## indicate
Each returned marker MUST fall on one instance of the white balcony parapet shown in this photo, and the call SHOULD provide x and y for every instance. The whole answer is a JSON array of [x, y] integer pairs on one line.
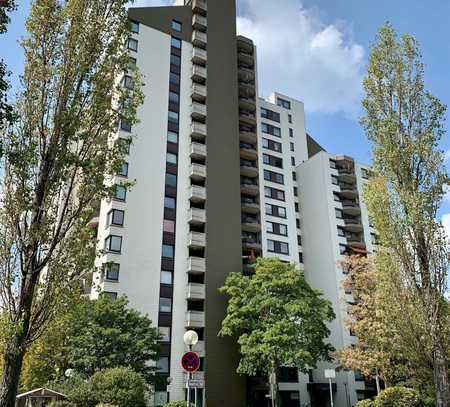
[[198, 92], [199, 6], [199, 38], [199, 22], [198, 150], [197, 171], [195, 319], [199, 56], [197, 215], [196, 264], [197, 239], [195, 291], [198, 73], [197, 193], [198, 111]]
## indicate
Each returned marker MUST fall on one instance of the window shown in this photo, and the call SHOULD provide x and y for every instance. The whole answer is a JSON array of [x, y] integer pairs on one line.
[[274, 210], [269, 129], [111, 271], [336, 197], [289, 118], [272, 160], [332, 163], [171, 158], [288, 375], [128, 82], [166, 277], [334, 180], [172, 137], [269, 114], [274, 193], [176, 25], [273, 177], [134, 27], [164, 334], [338, 213], [173, 117], [293, 160], [160, 398], [174, 78], [162, 365], [115, 217], [110, 295], [113, 243], [296, 207], [125, 126], [132, 63], [297, 223], [277, 247], [342, 248], [175, 60], [299, 240], [294, 176], [132, 44], [175, 43], [300, 257], [124, 144], [291, 133], [364, 173], [284, 103], [341, 231], [171, 180], [276, 228], [271, 145], [174, 97], [295, 191], [169, 226], [120, 193], [168, 251], [165, 304], [123, 172], [169, 202], [292, 147]]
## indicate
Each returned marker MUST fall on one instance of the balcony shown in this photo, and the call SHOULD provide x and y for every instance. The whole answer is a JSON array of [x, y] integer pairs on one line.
[[353, 224], [248, 151], [249, 169], [195, 319], [246, 59], [348, 190], [347, 175], [350, 207], [198, 111], [247, 135], [250, 224], [199, 39], [195, 291], [249, 186], [199, 22], [355, 240], [197, 193], [199, 7], [199, 56], [198, 92], [197, 172], [198, 150], [197, 216], [196, 265], [198, 130], [246, 74], [198, 74], [246, 103], [251, 243], [197, 240], [247, 89], [245, 44], [247, 117], [249, 205], [199, 348]]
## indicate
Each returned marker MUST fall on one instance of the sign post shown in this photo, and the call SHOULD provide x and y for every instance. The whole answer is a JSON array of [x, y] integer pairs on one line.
[[190, 362], [330, 374]]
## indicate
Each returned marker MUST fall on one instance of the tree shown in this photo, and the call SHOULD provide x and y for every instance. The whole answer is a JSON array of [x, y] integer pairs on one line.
[[278, 318], [59, 161], [6, 115], [404, 122], [92, 336]]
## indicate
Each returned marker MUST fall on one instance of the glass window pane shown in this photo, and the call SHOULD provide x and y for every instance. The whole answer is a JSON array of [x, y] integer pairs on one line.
[[171, 180], [176, 25], [112, 271], [164, 333], [120, 193], [167, 251], [169, 226], [166, 277], [165, 304], [132, 44], [162, 365], [173, 117], [125, 126], [174, 78], [171, 158], [134, 27], [123, 172], [172, 137], [169, 202], [174, 97], [175, 42], [175, 60]]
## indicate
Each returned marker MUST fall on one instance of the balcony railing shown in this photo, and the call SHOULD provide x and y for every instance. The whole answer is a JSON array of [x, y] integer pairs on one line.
[[196, 264], [199, 6], [199, 56], [195, 319]]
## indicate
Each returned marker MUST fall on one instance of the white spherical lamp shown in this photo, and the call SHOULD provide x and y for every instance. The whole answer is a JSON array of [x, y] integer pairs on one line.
[[190, 338]]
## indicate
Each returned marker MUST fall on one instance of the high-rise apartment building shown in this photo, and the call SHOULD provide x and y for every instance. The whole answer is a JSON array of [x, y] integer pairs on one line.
[[221, 177]]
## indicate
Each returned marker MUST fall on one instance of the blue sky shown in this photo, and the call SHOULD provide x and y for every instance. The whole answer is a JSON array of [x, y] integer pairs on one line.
[[316, 51]]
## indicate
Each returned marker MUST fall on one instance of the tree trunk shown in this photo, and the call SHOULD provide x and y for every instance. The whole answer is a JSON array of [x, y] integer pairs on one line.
[[441, 380], [13, 360], [377, 381]]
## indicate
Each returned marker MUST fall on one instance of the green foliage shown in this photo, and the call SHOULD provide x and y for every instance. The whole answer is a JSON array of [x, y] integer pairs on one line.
[[92, 335], [398, 397], [119, 387], [278, 318], [61, 403], [179, 403], [365, 403]]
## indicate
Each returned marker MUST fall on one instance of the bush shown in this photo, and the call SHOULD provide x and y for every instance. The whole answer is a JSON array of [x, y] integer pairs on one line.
[[61, 403], [398, 397], [179, 403], [365, 403]]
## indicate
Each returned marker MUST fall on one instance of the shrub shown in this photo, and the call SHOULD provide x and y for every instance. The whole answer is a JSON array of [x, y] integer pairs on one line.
[[365, 403], [61, 403], [179, 403], [398, 397]]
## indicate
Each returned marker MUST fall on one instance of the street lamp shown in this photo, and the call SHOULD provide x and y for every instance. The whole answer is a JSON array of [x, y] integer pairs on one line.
[[190, 339], [330, 374]]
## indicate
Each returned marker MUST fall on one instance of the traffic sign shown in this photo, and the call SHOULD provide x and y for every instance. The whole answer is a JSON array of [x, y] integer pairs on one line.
[[196, 383], [190, 362]]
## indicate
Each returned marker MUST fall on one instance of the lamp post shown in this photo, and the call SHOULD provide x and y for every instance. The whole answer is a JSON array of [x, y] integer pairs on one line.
[[330, 374], [190, 339]]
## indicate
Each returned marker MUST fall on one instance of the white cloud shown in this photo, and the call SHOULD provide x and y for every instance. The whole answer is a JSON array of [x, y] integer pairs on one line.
[[446, 223], [301, 56]]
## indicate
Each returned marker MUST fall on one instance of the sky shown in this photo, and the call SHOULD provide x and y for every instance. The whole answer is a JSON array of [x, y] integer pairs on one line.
[[316, 51]]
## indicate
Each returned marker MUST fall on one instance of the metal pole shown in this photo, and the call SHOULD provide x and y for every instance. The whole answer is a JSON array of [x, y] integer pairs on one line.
[[195, 396], [331, 393], [188, 394]]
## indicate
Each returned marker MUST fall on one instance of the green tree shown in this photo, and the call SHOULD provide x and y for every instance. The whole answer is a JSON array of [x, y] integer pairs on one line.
[[278, 318], [58, 161], [404, 122], [5, 109], [92, 336]]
